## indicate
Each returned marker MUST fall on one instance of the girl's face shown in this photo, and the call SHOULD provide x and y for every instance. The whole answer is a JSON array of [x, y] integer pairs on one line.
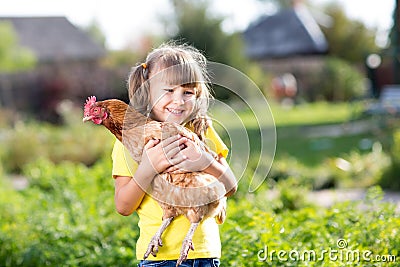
[[170, 102]]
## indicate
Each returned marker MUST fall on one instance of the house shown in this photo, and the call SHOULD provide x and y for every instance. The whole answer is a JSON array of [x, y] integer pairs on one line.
[[287, 44], [67, 66], [54, 39], [291, 32]]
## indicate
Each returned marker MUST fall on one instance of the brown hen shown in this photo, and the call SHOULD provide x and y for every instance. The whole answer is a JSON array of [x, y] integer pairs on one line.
[[196, 195]]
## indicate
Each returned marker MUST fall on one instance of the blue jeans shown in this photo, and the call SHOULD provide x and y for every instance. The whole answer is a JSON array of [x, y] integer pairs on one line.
[[186, 263]]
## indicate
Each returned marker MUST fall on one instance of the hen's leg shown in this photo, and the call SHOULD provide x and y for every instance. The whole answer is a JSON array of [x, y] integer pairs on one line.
[[156, 240], [187, 244]]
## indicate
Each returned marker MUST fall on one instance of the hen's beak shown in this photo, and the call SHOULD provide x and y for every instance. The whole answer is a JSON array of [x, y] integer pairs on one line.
[[87, 118]]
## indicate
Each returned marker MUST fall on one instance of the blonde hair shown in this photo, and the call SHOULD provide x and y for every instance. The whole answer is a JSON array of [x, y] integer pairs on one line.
[[179, 64]]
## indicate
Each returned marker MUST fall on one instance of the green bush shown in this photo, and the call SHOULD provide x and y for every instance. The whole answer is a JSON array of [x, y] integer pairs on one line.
[[26, 141], [368, 225], [351, 170], [336, 81], [355, 170], [66, 217], [391, 176]]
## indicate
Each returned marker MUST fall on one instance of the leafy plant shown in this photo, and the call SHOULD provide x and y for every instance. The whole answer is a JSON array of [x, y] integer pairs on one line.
[[390, 177], [65, 216], [26, 141], [13, 57], [336, 81], [255, 236]]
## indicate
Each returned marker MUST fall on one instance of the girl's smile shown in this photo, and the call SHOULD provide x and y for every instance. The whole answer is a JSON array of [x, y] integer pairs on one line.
[[175, 111]]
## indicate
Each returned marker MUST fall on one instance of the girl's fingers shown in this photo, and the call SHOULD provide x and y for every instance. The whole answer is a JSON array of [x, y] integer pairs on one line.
[[173, 148], [178, 172], [170, 140], [175, 170], [176, 160], [151, 143], [171, 153], [171, 169]]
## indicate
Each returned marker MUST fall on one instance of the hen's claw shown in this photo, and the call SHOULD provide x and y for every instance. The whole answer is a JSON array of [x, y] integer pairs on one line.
[[153, 246], [156, 241], [187, 245]]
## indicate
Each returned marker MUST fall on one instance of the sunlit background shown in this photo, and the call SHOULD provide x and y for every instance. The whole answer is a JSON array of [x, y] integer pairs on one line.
[[328, 70], [124, 22]]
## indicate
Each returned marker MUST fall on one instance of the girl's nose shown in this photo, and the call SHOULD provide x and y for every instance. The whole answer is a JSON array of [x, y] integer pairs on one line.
[[178, 98]]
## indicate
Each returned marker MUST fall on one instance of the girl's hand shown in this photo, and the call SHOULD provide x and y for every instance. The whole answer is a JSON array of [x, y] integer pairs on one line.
[[158, 156], [191, 159]]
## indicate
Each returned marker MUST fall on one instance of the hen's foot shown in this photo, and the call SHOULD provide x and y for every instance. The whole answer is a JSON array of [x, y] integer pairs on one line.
[[156, 241], [187, 245], [153, 246]]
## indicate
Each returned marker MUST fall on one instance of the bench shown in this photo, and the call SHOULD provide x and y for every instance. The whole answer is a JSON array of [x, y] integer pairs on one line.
[[388, 103]]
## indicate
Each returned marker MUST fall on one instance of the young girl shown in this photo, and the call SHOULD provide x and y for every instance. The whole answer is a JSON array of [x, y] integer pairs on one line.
[[171, 86]]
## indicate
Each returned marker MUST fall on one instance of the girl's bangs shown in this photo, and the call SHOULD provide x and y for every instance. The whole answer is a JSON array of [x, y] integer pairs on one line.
[[186, 75]]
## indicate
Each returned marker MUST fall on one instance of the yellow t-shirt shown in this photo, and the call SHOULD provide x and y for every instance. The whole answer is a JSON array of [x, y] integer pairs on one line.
[[206, 238]]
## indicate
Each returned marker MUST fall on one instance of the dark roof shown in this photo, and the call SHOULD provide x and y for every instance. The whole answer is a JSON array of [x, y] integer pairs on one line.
[[54, 38], [290, 32]]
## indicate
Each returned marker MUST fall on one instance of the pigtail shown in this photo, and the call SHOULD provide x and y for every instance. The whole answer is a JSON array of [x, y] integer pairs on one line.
[[138, 88]]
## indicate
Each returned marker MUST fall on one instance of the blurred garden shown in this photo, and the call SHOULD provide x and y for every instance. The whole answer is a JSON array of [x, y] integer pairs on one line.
[[57, 193]]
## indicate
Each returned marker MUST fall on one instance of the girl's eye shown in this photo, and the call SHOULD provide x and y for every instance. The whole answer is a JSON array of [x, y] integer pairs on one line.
[[189, 93], [169, 90]]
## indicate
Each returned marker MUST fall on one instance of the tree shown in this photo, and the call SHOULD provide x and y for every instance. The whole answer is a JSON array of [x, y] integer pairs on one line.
[[194, 23], [394, 48], [13, 57], [94, 30], [341, 33], [281, 4], [348, 39], [197, 25]]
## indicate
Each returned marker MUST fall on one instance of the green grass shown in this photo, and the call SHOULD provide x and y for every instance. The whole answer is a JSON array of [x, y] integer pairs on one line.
[[303, 114], [314, 113], [314, 151], [291, 140]]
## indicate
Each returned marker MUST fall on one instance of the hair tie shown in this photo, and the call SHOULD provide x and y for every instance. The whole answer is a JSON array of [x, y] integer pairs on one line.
[[144, 70]]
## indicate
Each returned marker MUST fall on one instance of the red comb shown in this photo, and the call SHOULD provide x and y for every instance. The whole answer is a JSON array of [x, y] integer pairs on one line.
[[89, 102]]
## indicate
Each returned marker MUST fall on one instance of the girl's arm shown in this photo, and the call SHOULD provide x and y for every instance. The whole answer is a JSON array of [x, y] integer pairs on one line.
[[220, 169], [128, 195], [193, 159], [157, 156]]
